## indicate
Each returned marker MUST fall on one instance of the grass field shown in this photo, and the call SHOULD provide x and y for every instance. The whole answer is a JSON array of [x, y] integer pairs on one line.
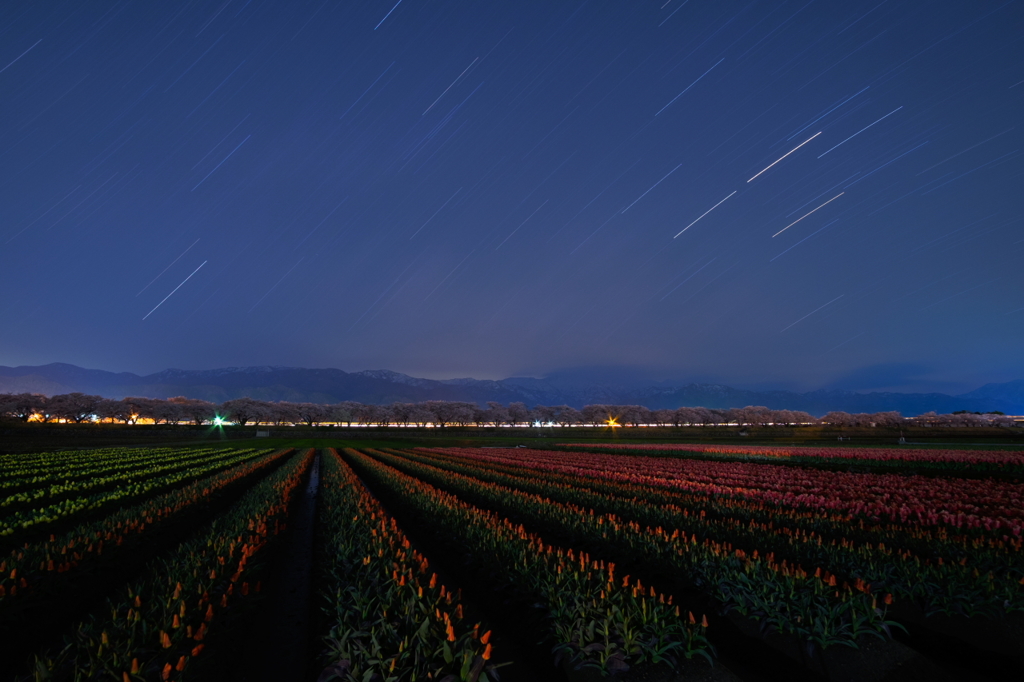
[[457, 555]]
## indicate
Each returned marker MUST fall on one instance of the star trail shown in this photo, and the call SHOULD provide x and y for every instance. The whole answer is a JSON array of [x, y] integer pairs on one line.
[[494, 189]]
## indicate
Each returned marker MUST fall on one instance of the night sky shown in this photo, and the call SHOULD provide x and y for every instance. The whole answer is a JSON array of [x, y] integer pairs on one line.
[[765, 194]]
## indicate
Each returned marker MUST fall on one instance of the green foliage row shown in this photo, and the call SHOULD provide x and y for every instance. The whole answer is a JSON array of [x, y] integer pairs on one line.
[[54, 565], [158, 623], [69, 507], [31, 470], [55, 489]]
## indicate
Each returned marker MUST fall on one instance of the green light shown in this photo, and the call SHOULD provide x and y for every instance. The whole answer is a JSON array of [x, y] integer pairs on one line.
[[217, 421]]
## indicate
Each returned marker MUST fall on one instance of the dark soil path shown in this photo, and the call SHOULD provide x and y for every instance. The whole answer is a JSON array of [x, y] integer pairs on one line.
[[967, 662], [274, 645]]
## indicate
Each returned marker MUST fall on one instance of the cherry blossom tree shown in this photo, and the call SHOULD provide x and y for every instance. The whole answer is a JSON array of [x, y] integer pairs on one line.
[[74, 407], [21, 405], [243, 410]]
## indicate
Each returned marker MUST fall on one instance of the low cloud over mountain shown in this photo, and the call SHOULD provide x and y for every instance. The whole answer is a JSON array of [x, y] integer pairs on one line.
[[383, 386]]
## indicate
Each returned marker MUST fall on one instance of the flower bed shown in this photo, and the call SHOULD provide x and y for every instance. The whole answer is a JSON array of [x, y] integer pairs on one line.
[[597, 618], [159, 623], [389, 617]]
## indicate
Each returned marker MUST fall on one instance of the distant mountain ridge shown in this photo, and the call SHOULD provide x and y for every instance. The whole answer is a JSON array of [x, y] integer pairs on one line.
[[385, 386]]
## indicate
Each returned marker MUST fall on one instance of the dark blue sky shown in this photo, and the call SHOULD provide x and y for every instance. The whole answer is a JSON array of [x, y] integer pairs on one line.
[[500, 188]]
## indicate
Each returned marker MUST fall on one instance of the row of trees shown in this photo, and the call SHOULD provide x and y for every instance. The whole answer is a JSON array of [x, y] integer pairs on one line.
[[80, 408]]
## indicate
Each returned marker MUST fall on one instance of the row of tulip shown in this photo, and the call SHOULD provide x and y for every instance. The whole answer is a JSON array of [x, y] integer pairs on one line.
[[24, 471], [920, 540], [597, 619], [967, 580], [958, 459], [129, 491], [158, 623], [781, 597], [123, 472], [26, 462], [389, 616], [987, 507], [57, 562]]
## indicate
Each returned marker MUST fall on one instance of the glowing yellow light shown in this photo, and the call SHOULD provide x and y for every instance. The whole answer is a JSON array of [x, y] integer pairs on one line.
[[612, 421]]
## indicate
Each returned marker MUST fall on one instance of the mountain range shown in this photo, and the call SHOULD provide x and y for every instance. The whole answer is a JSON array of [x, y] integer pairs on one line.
[[384, 386]]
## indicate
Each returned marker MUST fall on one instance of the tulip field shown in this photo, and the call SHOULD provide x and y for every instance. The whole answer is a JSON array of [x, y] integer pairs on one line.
[[996, 462], [480, 564], [389, 616]]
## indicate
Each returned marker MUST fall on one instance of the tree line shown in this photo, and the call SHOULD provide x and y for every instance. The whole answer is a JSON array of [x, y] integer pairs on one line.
[[80, 408]]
